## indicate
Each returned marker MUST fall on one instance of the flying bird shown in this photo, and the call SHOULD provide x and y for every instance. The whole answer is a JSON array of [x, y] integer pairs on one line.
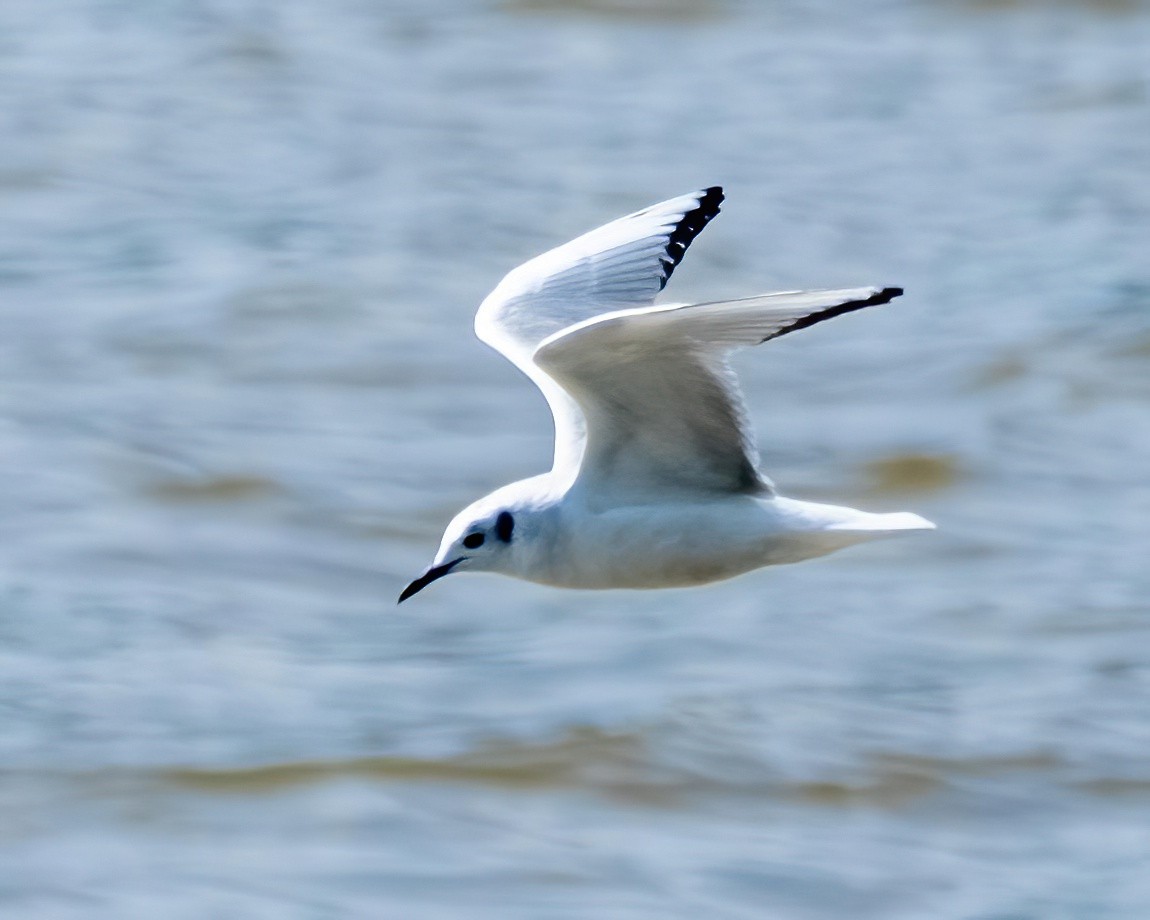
[[656, 480]]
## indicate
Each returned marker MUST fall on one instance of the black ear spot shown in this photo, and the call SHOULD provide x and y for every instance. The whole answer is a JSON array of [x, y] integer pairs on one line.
[[504, 524]]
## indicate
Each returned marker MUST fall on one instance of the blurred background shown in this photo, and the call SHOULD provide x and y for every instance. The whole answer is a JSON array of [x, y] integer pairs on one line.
[[241, 246]]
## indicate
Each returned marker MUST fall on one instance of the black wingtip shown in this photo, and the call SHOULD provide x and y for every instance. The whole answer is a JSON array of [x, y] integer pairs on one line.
[[886, 295], [690, 226]]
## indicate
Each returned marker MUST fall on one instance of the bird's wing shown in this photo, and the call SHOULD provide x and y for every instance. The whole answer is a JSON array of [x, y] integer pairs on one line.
[[622, 264], [662, 406]]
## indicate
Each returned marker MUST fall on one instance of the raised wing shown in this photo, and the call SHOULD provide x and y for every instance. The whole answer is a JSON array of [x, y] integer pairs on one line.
[[622, 264], [662, 407]]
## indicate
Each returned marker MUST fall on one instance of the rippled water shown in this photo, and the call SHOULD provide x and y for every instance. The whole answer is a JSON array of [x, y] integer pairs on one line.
[[240, 250]]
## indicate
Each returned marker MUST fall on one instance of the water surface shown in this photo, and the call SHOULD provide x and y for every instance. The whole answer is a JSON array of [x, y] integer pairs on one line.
[[239, 398]]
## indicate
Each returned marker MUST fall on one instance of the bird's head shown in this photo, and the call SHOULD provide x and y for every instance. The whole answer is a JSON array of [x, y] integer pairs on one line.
[[481, 538]]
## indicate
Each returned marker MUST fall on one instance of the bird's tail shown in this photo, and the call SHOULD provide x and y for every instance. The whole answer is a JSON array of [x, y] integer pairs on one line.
[[892, 523]]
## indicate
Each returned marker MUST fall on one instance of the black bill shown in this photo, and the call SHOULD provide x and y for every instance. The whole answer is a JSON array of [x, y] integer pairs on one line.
[[436, 571]]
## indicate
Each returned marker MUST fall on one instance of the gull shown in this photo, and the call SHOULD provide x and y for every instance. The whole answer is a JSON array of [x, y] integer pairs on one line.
[[655, 481]]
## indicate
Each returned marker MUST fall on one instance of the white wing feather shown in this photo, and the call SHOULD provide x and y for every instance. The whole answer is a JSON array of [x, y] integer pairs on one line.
[[622, 264], [644, 391], [663, 409]]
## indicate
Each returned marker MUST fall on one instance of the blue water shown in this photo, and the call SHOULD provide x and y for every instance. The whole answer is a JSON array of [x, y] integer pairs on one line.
[[240, 251]]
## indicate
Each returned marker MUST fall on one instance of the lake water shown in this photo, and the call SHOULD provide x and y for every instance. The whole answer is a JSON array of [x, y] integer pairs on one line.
[[240, 251]]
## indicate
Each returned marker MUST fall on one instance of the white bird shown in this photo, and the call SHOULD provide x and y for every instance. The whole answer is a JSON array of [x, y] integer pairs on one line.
[[656, 480]]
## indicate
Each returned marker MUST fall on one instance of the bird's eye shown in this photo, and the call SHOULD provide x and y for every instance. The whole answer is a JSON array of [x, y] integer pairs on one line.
[[473, 540]]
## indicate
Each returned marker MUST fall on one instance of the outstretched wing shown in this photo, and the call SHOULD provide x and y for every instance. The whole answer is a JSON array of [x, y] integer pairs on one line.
[[662, 407], [622, 264]]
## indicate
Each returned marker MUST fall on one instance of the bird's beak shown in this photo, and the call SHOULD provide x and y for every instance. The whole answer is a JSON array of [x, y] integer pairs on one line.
[[436, 571]]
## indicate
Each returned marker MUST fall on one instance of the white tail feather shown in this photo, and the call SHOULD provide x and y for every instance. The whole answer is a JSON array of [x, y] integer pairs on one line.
[[885, 523]]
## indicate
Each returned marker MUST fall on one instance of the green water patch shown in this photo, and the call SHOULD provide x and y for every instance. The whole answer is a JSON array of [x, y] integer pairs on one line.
[[909, 473]]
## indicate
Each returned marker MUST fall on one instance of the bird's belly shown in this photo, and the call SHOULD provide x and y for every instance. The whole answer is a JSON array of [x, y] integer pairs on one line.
[[679, 547], [667, 570]]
